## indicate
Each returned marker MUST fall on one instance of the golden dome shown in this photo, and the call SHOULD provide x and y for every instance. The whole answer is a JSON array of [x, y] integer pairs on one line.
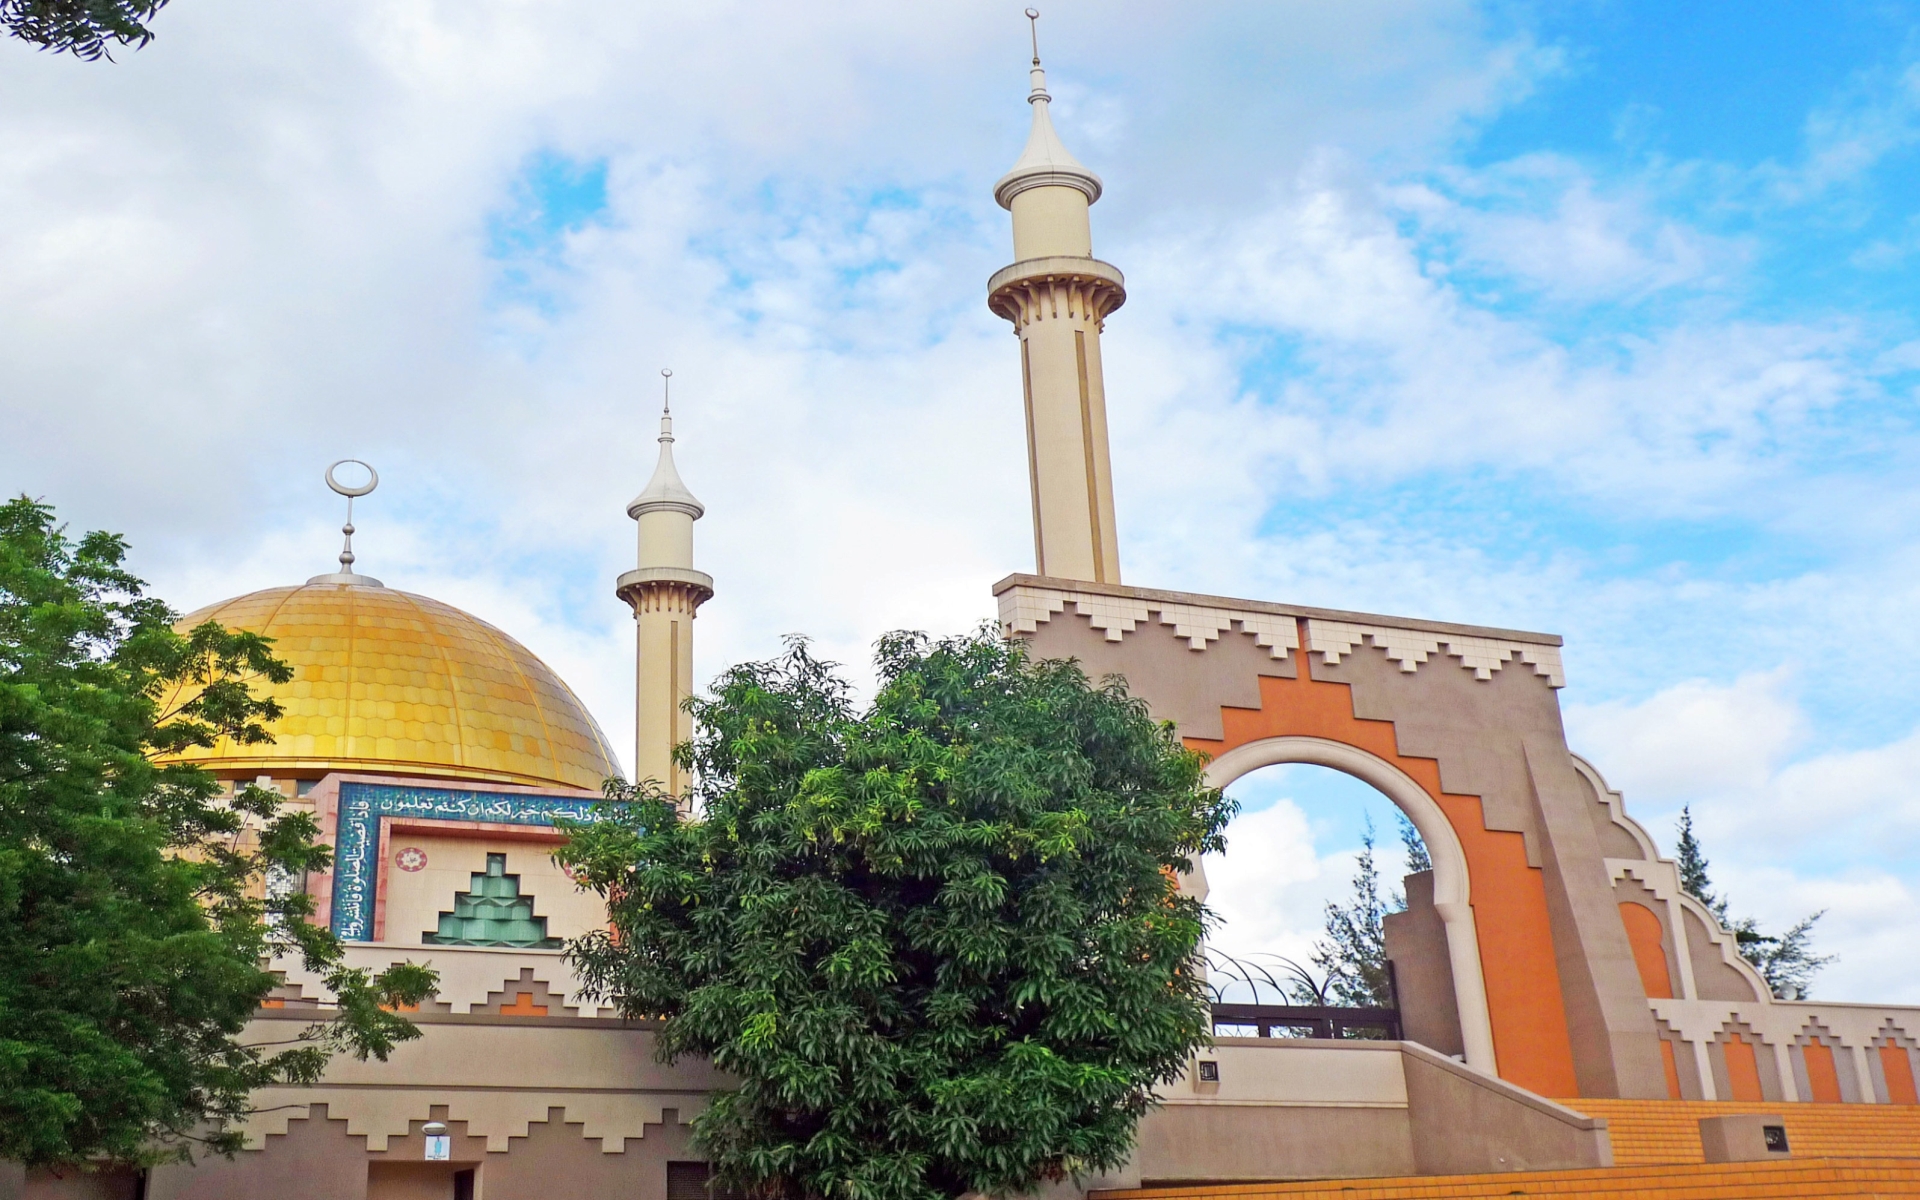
[[389, 682]]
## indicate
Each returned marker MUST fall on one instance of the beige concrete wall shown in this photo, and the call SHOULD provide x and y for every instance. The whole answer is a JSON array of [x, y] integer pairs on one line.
[[410, 1181], [498, 1074], [70, 1184], [1296, 1071], [1185, 686], [1191, 1144], [554, 1160], [471, 977], [1462, 1122], [1416, 942], [315, 1159], [1306, 1108], [1714, 978], [318, 1159], [1562, 988], [1501, 739], [415, 899]]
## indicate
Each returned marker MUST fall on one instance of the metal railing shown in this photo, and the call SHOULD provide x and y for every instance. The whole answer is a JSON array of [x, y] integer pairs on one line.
[[1303, 1020]]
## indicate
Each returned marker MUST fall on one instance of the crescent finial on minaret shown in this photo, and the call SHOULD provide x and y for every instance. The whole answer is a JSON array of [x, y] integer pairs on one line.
[[1046, 161], [1058, 296], [664, 592]]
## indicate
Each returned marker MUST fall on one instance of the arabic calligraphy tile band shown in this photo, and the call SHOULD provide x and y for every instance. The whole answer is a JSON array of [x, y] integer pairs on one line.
[[356, 858]]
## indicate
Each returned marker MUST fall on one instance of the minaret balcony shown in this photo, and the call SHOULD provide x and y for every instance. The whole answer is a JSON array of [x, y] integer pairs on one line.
[[1039, 289], [637, 587]]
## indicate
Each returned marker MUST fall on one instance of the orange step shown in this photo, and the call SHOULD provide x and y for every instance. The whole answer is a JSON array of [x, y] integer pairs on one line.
[[1794, 1179], [1668, 1131]]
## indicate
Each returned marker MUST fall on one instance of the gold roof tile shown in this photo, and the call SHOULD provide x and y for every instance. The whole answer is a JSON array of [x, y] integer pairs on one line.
[[388, 681]]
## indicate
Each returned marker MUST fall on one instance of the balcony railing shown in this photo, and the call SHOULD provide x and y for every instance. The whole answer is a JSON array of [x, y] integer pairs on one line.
[[1300, 1020]]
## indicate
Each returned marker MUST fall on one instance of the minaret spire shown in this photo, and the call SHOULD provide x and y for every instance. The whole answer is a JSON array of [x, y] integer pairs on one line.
[[665, 592], [1058, 296]]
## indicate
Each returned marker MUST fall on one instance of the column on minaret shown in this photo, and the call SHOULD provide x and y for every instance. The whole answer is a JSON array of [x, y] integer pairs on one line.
[[1058, 296], [665, 592]]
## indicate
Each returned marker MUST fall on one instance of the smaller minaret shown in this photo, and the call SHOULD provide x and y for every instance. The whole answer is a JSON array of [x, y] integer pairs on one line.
[[665, 591]]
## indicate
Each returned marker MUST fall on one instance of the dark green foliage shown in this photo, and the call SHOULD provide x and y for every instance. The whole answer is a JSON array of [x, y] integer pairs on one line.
[[1786, 961], [1353, 955], [131, 925], [938, 942], [82, 28], [1692, 861]]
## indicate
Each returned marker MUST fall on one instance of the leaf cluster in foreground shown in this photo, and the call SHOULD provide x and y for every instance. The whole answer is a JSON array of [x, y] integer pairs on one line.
[[939, 943]]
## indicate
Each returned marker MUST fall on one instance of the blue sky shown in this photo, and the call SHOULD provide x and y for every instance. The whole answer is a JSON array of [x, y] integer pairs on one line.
[[1590, 317]]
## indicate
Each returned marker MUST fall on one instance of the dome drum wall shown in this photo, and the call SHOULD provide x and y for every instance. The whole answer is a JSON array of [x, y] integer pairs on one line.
[[388, 681]]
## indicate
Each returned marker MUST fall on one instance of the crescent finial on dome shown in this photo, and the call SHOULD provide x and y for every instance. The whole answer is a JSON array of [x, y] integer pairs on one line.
[[346, 576]]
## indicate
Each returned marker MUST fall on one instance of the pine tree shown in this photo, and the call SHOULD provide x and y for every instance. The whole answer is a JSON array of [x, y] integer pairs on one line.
[[1692, 861], [1417, 858], [1786, 961], [1353, 954]]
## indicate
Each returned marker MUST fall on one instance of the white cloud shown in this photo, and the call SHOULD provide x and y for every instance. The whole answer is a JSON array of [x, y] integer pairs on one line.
[[1270, 886], [261, 244], [1548, 226], [1694, 737], [1785, 836]]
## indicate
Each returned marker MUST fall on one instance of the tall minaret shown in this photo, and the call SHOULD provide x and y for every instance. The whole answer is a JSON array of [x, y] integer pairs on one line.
[[664, 591], [1058, 295]]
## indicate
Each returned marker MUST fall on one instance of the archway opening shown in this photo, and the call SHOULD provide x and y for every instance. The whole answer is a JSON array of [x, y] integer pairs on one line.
[[1298, 845], [1311, 891], [1278, 871]]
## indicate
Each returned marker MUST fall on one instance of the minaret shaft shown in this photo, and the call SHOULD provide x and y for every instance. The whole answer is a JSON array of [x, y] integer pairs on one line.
[[1057, 295], [1068, 463], [665, 593], [663, 614]]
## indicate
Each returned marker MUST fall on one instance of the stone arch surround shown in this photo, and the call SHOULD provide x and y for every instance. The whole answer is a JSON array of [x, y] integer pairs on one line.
[[1465, 716], [1452, 889]]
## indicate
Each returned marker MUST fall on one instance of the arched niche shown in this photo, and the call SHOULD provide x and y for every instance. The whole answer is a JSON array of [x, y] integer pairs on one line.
[[1451, 891]]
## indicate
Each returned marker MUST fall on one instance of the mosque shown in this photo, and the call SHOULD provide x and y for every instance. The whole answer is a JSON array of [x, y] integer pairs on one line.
[[1565, 1007]]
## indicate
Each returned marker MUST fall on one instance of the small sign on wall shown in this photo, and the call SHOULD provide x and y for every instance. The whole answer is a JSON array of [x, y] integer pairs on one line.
[[439, 1144]]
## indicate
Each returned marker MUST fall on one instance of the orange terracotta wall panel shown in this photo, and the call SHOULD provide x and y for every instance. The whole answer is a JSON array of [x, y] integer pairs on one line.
[[1743, 1069], [1524, 1001], [1644, 933], [1822, 1079], [523, 1006], [1898, 1068], [1672, 1066]]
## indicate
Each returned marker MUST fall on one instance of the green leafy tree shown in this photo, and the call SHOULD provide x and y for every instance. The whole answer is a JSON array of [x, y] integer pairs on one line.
[[1353, 953], [939, 941], [134, 912], [86, 29], [1787, 960]]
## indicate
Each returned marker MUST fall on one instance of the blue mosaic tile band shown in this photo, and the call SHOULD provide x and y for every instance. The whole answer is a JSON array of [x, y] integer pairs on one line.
[[356, 850]]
